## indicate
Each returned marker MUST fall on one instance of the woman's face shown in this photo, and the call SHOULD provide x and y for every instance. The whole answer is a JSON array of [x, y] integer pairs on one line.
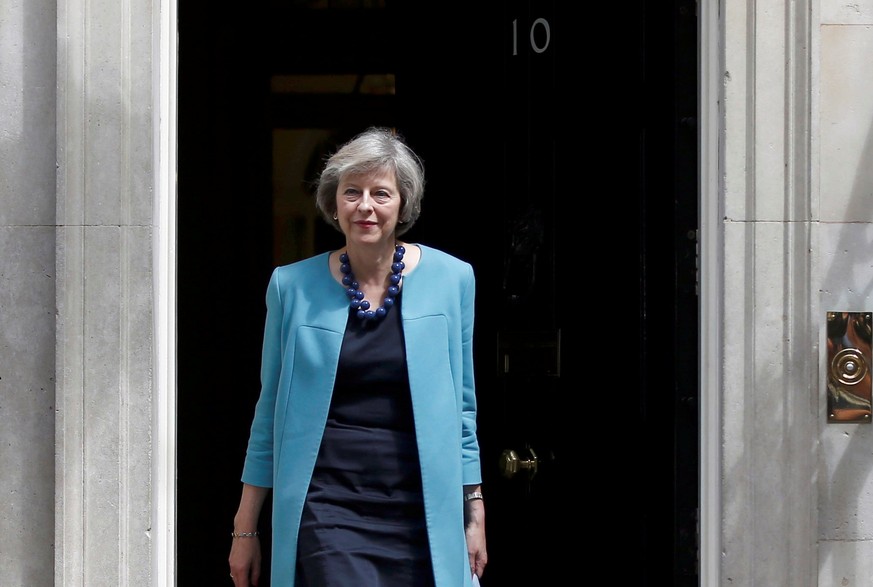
[[368, 206]]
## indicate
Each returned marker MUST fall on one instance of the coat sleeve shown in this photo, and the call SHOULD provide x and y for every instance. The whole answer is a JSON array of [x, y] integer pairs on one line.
[[258, 466], [472, 473]]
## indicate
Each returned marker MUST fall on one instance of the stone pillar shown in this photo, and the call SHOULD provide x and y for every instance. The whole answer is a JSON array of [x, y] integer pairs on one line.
[[106, 149], [771, 322], [27, 291]]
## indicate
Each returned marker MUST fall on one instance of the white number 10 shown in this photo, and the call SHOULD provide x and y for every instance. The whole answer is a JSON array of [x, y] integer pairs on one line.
[[533, 42]]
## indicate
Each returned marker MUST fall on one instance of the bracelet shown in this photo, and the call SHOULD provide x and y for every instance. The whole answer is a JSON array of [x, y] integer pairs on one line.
[[254, 534], [473, 495]]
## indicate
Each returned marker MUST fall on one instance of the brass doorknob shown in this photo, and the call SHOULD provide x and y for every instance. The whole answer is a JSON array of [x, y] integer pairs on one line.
[[511, 464]]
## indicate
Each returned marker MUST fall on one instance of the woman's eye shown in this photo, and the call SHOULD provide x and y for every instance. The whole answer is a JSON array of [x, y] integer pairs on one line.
[[381, 196], [351, 194]]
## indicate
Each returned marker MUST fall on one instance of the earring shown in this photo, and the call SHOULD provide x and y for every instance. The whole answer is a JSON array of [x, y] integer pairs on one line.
[[335, 217]]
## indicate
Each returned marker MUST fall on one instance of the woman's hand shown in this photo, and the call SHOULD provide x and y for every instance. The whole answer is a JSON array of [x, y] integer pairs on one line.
[[474, 528], [245, 561], [245, 552]]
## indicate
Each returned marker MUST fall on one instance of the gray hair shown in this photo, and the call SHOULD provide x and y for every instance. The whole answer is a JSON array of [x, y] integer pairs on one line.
[[375, 149]]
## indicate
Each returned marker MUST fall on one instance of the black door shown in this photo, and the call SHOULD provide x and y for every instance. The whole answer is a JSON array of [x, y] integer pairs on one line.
[[532, 148], [668, 310]]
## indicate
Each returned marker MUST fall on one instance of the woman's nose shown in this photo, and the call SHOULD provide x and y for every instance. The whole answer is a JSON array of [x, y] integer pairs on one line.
[[365, 202]]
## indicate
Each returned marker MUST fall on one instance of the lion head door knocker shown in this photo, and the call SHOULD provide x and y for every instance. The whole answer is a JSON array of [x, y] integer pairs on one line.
[[848, 374]]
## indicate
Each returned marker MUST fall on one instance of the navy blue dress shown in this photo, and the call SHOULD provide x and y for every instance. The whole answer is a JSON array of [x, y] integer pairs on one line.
[[363, 520]]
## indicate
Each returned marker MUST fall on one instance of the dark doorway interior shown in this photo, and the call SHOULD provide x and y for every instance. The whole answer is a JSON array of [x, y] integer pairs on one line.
[[239, 76]]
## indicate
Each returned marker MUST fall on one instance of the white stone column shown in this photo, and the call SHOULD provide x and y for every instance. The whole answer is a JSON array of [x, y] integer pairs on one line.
[[771, 320], [106, 149], [27, 291]]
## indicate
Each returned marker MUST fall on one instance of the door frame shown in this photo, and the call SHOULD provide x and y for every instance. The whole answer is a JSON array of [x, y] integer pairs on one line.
[[164, 237], [711, 262]]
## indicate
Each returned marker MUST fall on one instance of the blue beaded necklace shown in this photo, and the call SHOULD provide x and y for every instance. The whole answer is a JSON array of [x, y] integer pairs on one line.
[[357, 296]]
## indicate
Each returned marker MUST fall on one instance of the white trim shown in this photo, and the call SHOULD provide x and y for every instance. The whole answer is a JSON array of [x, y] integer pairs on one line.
[[164, 455], [710, 275]]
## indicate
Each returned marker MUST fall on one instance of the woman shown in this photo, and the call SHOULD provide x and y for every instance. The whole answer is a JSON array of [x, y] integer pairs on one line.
[[365, 428]]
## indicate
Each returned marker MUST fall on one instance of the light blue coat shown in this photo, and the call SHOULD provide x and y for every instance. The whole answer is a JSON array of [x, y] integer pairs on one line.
[[306, 317]]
